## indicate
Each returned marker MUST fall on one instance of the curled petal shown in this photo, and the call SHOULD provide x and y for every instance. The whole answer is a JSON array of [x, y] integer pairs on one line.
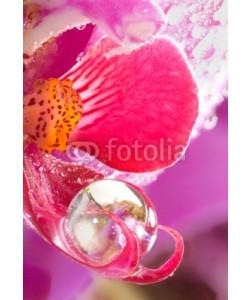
[[139, 107], [148, 276]]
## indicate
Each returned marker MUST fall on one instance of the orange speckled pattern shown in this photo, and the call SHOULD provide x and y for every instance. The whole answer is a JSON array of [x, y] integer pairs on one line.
[[51, 112]]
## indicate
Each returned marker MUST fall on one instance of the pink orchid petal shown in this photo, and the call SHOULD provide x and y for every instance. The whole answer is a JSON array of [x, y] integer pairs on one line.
[[56, 56], [139, 109], [126, 20], [148, 276], [129, 22]]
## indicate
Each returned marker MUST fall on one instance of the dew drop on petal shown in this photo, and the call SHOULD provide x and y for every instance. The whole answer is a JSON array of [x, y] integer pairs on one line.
[[211, 122], [81, 27], [97, 235], [80, 56], [37, 163], [41, 169]]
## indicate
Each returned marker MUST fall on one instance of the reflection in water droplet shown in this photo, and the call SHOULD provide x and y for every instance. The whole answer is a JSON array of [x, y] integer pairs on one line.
[[97, 235]]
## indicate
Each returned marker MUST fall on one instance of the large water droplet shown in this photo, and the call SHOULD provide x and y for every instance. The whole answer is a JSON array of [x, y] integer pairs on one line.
[[97, 235]]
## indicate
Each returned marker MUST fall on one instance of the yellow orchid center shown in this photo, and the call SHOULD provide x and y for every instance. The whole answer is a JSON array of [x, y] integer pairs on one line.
[[51, 112]]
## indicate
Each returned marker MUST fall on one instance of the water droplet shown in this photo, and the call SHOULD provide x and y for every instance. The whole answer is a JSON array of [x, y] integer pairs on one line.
[[52, 171], [36, 163], [81, 27], [97, 235], [211, 122], [79, 57], [71, 181], [81, 181], [63, 174], [94, 235], [69, 26], [41, 169]]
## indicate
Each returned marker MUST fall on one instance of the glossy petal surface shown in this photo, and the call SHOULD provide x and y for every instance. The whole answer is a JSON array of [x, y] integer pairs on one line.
[[139, 107]]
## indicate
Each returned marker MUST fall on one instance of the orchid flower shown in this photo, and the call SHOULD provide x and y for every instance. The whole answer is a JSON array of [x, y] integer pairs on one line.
[[124, 100]]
